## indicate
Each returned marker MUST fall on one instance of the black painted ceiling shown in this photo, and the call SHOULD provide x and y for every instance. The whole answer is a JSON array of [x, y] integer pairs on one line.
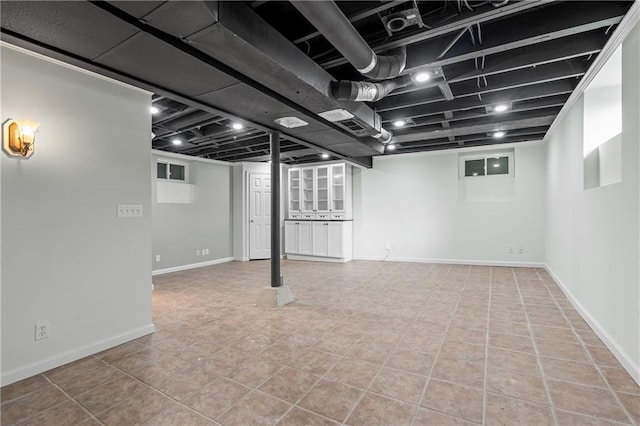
[[212, 64]]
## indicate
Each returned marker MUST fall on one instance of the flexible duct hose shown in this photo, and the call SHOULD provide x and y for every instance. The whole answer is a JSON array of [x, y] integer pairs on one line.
[[365, 90]]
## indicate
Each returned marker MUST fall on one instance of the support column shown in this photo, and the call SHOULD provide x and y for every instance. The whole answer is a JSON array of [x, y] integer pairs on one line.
[[274, 140], [278, 294]]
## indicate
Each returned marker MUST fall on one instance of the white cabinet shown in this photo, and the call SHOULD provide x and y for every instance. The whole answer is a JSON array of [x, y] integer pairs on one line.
[[298, 237], [318, 240], [320, 192]]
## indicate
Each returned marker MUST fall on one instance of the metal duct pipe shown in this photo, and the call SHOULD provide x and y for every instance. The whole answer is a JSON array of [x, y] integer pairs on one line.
[[365, 90], [335, 27], [384, 136]]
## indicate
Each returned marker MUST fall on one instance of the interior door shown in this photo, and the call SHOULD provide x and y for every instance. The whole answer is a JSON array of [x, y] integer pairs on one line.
[[259, 216]]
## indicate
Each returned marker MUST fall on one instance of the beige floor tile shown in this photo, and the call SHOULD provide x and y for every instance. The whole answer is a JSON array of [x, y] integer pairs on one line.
[[289, 384], [425, 417], [106, 396], [216, 397], [378, 410], [23, 387], [576, 372], [412, 361], [620, 380], [588, 400], [89, 379], [468, 373], [511, 342], [331, 399], [31, 404], [253, 371], [632, 403], [135, 410], [399, 384], [566, 418], [561, 350], [67, 413], [516, 385], [315, 362], [299, 417], [255, 409], [602, 356], [501, 410], [354, 372], [346, 324], [518, 362], [447, 397]]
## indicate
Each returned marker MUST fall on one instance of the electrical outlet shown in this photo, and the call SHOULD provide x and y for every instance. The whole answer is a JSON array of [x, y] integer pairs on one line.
[[42, 330], [520, 250], [157, 258], [197, 252], [206, 251]]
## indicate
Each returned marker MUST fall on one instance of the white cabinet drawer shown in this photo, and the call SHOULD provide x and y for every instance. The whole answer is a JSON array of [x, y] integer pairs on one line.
[[338, 216], [322, 216], [308, 216], [295, 215]]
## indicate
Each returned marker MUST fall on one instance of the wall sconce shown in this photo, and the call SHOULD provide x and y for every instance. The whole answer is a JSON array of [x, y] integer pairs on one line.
[[18, 137]]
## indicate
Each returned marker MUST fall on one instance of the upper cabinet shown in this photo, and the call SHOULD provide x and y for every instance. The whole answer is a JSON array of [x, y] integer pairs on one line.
[[320, 192]]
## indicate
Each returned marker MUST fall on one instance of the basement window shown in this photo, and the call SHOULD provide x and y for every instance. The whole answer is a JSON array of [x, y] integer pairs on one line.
[[490, 164], [171, 170]]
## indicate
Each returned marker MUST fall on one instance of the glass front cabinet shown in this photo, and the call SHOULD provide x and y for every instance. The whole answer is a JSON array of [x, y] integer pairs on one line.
[[318, 224], [320, 192]]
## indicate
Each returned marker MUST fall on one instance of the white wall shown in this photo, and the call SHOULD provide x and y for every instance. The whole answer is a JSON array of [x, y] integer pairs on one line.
[[419, 205], [180, 229], [67, 258], [592, 245]]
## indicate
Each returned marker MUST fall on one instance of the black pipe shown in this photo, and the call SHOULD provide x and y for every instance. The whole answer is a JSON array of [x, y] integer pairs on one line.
[[327, 17], [367, 91], [274, 141]]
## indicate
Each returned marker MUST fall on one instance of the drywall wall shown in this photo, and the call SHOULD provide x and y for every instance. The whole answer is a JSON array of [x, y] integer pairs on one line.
[[182, 230], [426, 212], [71, 261], [592, 244]]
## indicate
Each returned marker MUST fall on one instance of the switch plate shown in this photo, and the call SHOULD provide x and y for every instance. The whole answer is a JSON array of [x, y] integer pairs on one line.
[[130, 210], [157, 258], [521, 250]]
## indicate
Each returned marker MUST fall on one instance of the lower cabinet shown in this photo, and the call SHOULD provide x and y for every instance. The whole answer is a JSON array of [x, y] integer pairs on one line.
[[318, 240]]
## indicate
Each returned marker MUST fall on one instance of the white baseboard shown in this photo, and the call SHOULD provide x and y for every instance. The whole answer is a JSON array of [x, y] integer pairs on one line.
[[455, 261], [621, 355], [191, 266], [72, 355], [318, 258]]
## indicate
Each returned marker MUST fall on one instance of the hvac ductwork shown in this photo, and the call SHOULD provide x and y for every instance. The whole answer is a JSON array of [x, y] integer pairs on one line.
[[335, 27], [367, 91]]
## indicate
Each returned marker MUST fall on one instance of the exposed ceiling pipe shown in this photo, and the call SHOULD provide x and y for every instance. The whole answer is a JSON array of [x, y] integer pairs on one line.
[[367, 91], [499, 3], [327, 17]]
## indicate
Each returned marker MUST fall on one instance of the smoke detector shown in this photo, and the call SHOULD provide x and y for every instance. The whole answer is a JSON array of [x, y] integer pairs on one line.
[[398, 21]]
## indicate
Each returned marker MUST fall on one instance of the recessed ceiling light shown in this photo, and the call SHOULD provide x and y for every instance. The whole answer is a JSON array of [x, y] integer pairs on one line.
[[154, 110], [290, 122], [399, 123], [421, 77], [237, 126], [499, 134], [391, 147], [500, 108], [324, 155], [176, 141]]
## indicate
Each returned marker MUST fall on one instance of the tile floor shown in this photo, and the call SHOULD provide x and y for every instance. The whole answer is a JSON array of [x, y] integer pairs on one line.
[[366, 343]]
